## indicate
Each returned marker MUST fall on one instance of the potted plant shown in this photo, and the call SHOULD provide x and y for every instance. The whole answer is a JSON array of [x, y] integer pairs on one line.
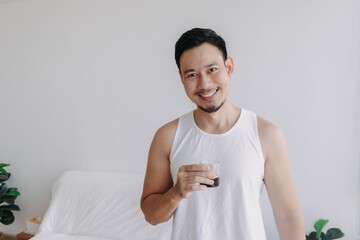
[[7, 198], [318, 234]]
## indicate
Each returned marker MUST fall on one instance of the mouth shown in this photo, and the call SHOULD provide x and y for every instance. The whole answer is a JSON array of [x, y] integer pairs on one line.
[[209, 93]]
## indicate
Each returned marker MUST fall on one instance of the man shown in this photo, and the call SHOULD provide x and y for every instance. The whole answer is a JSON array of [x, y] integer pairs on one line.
[[252, 153]]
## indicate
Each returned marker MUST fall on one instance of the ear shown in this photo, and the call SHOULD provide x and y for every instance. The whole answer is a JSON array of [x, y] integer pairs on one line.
[[229, 64]]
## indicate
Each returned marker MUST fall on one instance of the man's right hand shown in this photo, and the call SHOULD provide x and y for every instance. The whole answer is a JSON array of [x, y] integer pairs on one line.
[[192, 178]]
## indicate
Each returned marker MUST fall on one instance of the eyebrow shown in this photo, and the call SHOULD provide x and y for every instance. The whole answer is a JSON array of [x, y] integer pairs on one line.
[[189, 70], [211, 64]]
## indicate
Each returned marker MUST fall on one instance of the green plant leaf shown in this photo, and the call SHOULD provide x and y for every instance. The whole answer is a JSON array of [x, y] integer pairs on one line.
[[333, 233], [3, 166], [6, 217], [12, 207], [13, 192], [3, 189], [311, 236], [4, 177], [319, 225], [8, 199]]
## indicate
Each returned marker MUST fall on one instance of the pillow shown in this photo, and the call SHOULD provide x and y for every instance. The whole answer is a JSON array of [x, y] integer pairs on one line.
[[103, 204]]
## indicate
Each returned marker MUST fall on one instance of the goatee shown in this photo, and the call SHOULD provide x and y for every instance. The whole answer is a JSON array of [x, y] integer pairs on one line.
[[212, 109]]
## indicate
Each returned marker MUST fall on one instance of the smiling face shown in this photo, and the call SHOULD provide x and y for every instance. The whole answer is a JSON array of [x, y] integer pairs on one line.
[[206, 76]]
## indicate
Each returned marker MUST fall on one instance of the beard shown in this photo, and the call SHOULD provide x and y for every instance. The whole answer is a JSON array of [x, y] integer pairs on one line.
[[212, 109]]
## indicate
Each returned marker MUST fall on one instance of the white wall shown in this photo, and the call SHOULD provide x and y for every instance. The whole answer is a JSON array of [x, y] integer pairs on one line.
[[84, 84]]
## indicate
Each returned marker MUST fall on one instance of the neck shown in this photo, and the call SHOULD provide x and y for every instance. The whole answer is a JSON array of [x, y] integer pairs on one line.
[[217, 122]]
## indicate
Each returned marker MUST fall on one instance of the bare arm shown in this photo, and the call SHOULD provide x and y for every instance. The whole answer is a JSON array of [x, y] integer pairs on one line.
[[280, 184], [161, 196]]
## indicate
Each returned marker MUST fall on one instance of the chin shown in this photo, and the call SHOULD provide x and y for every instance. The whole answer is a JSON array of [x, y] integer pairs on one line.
[[211, 109]]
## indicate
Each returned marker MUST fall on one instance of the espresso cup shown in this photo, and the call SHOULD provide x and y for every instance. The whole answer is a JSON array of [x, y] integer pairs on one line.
[[215, 168]]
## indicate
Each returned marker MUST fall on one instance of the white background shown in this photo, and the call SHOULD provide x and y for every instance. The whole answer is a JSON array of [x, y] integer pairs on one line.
[[84, 84]]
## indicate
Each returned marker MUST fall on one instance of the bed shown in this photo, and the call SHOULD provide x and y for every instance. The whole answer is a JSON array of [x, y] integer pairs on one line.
[[89, 205]]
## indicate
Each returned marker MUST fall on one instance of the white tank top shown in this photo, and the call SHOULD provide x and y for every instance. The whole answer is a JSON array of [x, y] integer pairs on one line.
[[231, 211]]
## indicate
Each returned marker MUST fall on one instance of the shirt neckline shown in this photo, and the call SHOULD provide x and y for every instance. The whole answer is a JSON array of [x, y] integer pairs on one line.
[[242, 112]]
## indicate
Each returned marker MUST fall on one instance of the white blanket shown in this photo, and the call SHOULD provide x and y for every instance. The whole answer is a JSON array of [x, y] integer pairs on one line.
[[98, 205]]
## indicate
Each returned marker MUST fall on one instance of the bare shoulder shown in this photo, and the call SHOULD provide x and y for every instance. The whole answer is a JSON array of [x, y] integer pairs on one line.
[[267, 128], [271, 137], [166, 133], [169, 127]]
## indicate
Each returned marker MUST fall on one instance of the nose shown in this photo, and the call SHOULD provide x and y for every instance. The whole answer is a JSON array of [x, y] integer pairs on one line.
[[204, 81]]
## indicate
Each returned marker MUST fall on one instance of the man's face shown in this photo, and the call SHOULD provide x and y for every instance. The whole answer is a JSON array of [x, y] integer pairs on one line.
[[205, 76]]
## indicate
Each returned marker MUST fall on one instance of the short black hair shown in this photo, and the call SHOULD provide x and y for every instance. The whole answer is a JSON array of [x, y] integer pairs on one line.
[[194, 38]]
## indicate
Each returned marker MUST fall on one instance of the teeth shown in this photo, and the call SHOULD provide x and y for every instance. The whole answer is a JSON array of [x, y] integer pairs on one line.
[[208, 94]]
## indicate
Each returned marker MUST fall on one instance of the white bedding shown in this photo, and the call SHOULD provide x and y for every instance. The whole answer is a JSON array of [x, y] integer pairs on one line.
[[60, 236], [98, 205]]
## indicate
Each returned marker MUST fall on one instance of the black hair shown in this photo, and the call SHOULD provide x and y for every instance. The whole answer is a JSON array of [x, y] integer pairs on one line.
[[194, 38]]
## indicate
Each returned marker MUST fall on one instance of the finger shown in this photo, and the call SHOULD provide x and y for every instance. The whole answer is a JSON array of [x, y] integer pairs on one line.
[[196, 180], [194, 175], [196, 187], [196, 168], [187, 185]]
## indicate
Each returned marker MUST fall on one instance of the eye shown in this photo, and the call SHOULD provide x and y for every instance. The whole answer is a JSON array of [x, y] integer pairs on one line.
[[213, 69], [191, 75]]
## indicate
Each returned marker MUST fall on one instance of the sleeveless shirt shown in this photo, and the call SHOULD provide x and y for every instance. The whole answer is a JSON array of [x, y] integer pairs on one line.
[[232, 210]]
